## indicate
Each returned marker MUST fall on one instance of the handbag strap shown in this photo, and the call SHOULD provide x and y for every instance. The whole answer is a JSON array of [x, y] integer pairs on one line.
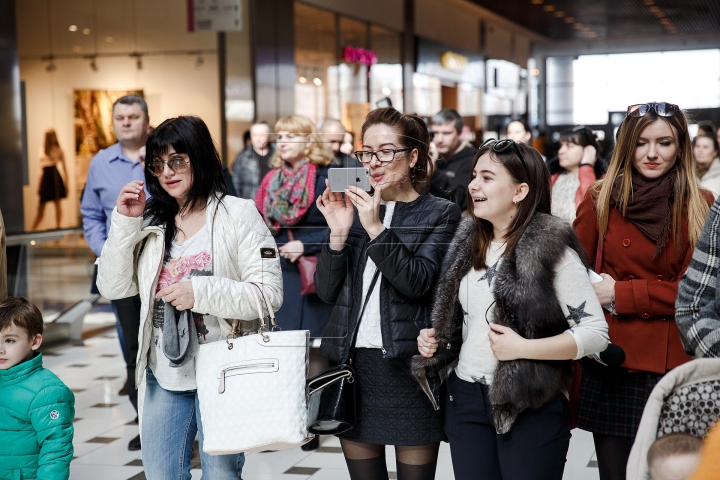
[[261, 316], [362, 310], [268, 305], [598, 256]]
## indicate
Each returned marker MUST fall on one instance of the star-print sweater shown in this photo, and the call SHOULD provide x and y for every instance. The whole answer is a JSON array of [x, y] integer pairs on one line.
[[586, 321]]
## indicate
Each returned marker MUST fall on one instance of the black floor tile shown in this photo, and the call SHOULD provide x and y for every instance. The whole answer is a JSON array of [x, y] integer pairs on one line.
[[102, 440], [301, 471]]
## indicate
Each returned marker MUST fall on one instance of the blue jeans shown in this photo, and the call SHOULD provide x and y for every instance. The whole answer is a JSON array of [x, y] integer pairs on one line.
[[169, 424]]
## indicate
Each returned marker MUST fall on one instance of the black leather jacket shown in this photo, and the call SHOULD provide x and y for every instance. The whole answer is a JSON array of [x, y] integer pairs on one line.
[[408, 256]]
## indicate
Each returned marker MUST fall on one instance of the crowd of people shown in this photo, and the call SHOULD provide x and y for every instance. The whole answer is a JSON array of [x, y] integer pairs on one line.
[[478, 295]]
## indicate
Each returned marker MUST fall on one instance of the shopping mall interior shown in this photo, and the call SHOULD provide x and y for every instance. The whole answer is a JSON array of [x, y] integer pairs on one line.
[[553, 63]]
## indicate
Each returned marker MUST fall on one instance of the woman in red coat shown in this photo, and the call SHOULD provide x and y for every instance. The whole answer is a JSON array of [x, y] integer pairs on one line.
[[642, 221]]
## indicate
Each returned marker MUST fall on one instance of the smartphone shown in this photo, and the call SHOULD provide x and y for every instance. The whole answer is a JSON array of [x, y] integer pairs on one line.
[[341, 178]]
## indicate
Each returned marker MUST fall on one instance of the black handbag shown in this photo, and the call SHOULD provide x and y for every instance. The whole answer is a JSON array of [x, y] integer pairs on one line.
[[331, 406]]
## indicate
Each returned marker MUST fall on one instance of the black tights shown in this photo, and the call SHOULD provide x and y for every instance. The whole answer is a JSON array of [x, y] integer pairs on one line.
[[366, 461], [612, 455]]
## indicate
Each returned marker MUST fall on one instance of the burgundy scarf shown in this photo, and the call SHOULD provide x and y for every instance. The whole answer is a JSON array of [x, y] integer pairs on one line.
[[649, 206]]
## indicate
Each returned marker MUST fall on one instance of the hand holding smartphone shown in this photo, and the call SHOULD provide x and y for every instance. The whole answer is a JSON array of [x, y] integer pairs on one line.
[[342, 178]]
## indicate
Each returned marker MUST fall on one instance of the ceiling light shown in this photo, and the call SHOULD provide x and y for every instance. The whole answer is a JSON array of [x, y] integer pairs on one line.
[[86, 31], [654, 9], [549, 8], [386, 91], [560, 14], [317, 81], [302, 80], [108, 39], [665, 21], [73, 28], [649, 2], [569, 20], [535, 72], [536, 2], [577, 26], [77, 48]]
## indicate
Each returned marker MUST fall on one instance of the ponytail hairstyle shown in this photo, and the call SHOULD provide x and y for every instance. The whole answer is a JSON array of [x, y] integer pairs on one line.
[[414, 134]]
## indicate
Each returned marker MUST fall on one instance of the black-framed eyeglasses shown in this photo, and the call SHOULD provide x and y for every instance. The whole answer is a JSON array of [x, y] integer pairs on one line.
[[662, 109], [177, 164], [502, 145], [384, 156]]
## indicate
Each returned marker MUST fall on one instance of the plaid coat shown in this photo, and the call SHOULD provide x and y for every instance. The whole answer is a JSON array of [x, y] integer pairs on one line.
[[696, 308]]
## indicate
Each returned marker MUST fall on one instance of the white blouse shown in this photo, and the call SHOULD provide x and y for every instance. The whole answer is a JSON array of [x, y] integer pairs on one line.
[[369, 333]]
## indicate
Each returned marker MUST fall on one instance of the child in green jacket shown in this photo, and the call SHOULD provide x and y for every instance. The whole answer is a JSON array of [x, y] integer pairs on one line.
[[36, 408]]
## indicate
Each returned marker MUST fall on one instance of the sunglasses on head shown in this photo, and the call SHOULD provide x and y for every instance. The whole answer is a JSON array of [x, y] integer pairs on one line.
[[661, 109], [502, 145]]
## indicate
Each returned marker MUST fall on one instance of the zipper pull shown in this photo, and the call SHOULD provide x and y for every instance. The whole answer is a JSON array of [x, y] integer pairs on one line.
[[221, 387], [383, 350]]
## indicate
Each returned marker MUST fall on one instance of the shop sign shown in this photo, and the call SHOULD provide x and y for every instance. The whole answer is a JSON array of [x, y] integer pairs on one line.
[[360, 56], [453, 61], [214, 15]]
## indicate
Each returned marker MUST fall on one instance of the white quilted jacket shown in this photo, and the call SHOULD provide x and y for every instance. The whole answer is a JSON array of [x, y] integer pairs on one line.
[[238, 234]]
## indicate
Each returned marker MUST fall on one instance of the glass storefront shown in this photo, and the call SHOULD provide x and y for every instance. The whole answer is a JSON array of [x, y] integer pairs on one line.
[[344, 66]]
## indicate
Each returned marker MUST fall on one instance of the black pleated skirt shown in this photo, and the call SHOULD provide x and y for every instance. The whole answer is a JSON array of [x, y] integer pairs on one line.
[[612, 400], [391, 408]]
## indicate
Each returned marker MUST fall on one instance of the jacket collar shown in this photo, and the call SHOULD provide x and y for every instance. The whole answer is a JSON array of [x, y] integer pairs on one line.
[[21, 371]]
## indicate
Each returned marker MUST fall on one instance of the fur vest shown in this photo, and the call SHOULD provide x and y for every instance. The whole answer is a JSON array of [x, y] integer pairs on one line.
[[525, 301]]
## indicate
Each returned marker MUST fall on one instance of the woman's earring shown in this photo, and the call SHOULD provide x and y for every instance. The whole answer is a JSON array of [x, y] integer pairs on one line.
[[515, 201]]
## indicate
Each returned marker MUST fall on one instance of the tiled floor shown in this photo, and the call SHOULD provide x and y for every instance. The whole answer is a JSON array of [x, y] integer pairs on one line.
[[104, 426]]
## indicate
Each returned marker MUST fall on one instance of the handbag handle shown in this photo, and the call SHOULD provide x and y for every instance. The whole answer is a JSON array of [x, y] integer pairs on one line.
[[261, 315], [273, 321]]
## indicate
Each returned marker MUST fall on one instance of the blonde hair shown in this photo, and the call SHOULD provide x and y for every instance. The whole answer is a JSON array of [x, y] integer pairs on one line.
[[686, 187], [318, 153]]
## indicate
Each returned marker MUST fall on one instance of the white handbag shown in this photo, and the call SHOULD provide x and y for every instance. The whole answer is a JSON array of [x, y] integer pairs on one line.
[[252, 389]]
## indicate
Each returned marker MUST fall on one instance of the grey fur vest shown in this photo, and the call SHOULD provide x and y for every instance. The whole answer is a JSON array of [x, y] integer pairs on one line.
[[525, 301]]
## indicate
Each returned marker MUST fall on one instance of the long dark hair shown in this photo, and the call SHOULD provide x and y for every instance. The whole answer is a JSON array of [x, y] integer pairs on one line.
[[536, 175], [188, 135], [414, 134]]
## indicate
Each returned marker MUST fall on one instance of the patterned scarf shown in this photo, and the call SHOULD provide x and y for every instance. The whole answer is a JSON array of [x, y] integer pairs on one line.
[[285, 195], [649, 206]]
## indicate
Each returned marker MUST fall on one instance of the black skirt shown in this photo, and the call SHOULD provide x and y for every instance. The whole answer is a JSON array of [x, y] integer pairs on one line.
[[391, 408], [52, 187], [612, 400]]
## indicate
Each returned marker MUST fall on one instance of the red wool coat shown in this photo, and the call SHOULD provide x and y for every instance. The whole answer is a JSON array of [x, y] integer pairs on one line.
[[645, 289]]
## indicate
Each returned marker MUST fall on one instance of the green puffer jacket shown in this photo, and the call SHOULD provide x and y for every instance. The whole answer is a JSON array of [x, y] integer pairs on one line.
[[36, 430]]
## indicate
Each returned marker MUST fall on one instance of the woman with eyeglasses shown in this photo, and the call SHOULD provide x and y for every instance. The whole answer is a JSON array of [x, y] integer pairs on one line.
[[639, 226], [191, 247], [707, 162], [379, 267], [515, 299], [580, 167], [286, 200]]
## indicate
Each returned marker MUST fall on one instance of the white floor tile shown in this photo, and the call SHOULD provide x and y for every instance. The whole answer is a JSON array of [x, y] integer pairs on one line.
[[104, 472]]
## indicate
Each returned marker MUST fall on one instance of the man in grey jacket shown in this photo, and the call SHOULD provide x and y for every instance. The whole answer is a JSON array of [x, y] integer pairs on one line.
[[251, 164], [697, 308]]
